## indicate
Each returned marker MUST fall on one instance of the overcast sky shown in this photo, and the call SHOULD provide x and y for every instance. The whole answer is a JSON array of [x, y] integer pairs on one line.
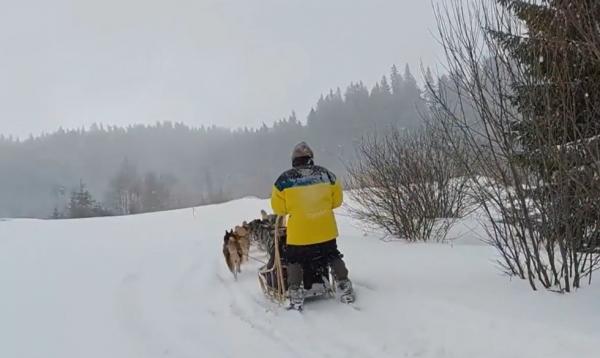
[[232, 63]]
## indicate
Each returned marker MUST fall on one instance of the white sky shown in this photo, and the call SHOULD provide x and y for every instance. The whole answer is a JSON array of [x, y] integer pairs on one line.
[[71, 63]]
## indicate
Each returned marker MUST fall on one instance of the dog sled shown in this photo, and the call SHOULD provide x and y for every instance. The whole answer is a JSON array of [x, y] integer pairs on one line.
[[317, 279]]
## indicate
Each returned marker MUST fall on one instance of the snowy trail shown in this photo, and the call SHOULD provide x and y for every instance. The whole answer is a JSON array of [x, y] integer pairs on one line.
[[156, 286]]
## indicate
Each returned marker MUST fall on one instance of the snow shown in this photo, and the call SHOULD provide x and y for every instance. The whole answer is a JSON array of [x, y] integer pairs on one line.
[[156, 285]]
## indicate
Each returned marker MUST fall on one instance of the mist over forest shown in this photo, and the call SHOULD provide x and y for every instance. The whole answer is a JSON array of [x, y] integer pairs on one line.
[[141, 168]]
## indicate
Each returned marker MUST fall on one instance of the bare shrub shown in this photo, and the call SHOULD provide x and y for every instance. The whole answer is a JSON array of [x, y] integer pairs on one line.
[[405, 183], [533, 129]]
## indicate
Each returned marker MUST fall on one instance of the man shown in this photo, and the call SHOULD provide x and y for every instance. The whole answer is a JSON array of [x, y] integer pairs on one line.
[[308, 194]]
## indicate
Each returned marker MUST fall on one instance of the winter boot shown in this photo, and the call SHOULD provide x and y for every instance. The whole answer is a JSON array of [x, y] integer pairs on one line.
[[296, 298], [346, 292]]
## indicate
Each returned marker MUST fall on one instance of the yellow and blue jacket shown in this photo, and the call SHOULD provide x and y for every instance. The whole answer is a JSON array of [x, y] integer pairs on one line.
[[308, 195]]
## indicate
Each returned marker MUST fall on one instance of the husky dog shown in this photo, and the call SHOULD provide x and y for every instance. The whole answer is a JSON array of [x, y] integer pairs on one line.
[[261, 230], [264, 215], [243, 237], [237, 241], [270, 218], [233, 253]]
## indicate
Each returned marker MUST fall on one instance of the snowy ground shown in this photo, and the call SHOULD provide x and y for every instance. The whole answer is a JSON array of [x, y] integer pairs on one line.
[[156, 286]]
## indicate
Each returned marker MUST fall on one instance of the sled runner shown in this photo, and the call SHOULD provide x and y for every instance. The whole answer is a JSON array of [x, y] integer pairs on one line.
[[318, 281]]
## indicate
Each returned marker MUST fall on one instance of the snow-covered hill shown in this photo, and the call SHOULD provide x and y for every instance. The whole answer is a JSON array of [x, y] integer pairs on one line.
[[156, 286]]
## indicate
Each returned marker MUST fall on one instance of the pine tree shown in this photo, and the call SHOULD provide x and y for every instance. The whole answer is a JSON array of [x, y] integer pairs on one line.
[[385, 87], [431, 86], [397, 81], [411, 89], [560, 96], [376, 91], [81, 203]]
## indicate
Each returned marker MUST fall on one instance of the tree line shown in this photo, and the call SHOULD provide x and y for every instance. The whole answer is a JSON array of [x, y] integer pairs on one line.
[[170, 165]]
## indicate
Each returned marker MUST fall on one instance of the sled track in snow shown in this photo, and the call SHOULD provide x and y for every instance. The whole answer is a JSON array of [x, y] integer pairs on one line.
[[156, 286]]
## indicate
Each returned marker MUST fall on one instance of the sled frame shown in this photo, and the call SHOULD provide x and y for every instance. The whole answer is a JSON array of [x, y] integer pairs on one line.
[[278, 293]]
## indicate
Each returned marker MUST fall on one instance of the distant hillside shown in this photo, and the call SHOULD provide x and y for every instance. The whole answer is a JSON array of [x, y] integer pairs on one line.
[[196, 165]]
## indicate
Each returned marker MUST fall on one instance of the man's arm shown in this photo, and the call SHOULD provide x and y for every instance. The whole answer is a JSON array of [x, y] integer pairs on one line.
[[338, 194], [278, 201]]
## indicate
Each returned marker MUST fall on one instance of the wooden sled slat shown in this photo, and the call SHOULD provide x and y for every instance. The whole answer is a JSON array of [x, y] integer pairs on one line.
[[277, 293]]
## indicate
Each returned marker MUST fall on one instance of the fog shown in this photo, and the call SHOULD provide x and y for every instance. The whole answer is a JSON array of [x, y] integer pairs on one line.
[[72, 63], [151, 105]]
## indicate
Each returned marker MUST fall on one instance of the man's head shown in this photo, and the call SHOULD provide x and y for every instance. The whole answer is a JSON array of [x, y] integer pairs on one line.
[[302, 155]]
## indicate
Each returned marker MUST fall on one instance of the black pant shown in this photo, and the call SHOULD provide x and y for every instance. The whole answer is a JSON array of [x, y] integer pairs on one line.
[[300, 257]]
